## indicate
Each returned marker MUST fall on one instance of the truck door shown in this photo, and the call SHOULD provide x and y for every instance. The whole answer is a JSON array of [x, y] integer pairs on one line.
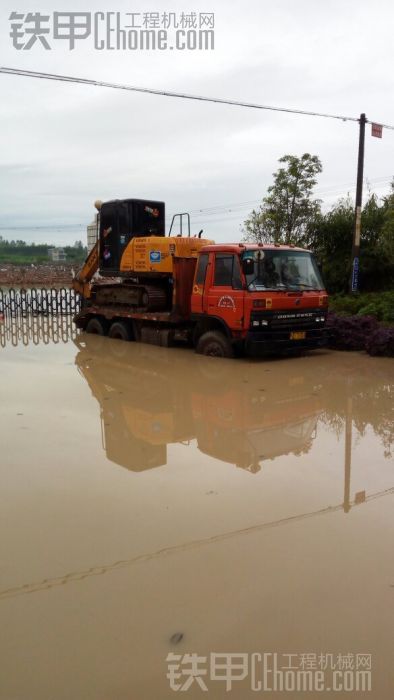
[[225, 296], [199, 288]]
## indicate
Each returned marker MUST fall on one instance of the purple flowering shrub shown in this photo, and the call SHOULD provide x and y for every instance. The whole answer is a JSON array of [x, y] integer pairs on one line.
[[360, 333], [381, 342]]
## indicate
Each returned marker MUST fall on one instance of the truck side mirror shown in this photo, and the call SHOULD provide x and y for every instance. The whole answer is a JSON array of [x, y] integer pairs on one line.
[[248, 266]]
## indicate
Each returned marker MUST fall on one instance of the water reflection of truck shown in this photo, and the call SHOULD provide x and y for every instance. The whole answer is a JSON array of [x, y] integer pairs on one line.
[[222, 299], [237, 427], [146, 405]]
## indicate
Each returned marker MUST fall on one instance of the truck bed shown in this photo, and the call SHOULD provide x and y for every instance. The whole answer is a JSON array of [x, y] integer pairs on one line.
[[113, 311]]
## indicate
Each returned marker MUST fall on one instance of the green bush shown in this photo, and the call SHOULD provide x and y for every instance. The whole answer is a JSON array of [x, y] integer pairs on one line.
[[377, 304]]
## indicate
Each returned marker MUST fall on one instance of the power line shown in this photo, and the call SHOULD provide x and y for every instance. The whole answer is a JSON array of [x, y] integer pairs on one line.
[[223, 206], [40, 228], [228, 211], [329, 190], [230, 207], [385, 126], [48, 583], [167, 93]]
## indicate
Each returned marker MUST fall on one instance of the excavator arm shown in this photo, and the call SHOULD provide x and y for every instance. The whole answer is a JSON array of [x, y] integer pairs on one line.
[[81, 282]]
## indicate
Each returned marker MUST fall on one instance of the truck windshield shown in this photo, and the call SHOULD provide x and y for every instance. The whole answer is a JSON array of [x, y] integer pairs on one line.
[[282, 269]]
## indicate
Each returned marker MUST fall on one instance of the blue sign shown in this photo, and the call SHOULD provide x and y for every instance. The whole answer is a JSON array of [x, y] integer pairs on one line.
[[356, 264], [155, 256]]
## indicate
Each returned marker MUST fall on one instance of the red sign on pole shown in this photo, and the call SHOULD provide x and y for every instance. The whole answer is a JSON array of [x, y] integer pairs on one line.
[[376, 130]]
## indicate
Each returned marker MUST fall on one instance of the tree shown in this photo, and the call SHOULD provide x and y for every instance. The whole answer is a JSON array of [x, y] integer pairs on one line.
[[387, 236], [331, 237], [288, 211]]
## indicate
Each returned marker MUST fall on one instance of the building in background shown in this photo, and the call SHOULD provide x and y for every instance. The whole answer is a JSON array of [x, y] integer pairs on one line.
[[57, 254], [92, 233]]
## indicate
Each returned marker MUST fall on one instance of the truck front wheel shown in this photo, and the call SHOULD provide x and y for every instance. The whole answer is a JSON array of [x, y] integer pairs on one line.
[[214, 343]]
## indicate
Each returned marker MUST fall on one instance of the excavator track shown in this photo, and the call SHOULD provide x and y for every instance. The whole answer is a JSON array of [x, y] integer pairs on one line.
[[140, 296], [153, 298]]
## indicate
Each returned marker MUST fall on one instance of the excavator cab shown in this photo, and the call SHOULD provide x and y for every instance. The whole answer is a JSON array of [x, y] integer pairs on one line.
[[121, 220]]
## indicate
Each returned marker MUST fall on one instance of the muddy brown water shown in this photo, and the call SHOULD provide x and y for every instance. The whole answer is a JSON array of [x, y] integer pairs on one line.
[[154, 502]]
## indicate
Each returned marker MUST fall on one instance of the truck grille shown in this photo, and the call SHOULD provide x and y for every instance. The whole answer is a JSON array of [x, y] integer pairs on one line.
[[299, 319], [287, 320]]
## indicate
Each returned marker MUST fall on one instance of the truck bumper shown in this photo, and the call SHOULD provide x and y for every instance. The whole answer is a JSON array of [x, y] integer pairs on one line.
[[267, 343]]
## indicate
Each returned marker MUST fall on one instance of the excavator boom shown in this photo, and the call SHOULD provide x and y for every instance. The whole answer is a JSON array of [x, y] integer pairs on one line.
[[81, 282]]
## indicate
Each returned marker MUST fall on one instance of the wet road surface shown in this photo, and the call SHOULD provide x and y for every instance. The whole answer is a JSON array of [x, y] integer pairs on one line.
[[157, 502]]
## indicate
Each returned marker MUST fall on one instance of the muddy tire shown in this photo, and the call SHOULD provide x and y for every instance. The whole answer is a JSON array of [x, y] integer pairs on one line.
[[215, 344], [96, 326], [120, 331]]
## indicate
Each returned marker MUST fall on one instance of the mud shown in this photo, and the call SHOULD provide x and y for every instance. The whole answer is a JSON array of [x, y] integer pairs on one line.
[[157, 502]]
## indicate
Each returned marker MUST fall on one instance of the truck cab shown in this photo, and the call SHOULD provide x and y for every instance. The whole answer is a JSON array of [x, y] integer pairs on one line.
[[260, 298]]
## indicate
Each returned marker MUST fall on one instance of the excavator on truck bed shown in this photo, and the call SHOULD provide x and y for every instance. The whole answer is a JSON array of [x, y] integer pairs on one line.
[[133, 251]]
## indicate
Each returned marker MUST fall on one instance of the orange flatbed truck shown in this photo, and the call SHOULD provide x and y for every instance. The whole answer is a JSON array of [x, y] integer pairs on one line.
[[224, 299]]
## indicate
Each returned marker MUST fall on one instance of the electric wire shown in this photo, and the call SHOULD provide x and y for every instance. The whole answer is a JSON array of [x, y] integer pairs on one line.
[[169, 93]]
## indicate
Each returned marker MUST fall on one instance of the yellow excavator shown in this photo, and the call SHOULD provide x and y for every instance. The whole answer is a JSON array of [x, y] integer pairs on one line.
[[133, 250]]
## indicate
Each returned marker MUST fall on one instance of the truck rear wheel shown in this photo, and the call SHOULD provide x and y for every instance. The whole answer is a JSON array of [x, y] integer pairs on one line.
[[96, 326], [215, 344], [120, 330]]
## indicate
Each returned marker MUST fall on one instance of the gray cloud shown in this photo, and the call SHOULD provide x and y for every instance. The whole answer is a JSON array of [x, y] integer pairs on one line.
[[64, 145]]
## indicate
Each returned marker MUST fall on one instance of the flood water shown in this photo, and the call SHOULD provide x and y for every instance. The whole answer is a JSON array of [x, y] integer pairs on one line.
[[154, 502]]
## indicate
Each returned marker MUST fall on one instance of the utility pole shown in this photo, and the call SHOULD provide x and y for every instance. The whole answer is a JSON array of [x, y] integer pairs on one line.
[[359, 198]]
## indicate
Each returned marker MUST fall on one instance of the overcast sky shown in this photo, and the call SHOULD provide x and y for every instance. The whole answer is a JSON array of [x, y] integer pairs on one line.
[[64, 145]]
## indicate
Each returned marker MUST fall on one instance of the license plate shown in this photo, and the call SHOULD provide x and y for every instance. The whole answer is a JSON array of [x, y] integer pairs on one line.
[[297, 335]]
